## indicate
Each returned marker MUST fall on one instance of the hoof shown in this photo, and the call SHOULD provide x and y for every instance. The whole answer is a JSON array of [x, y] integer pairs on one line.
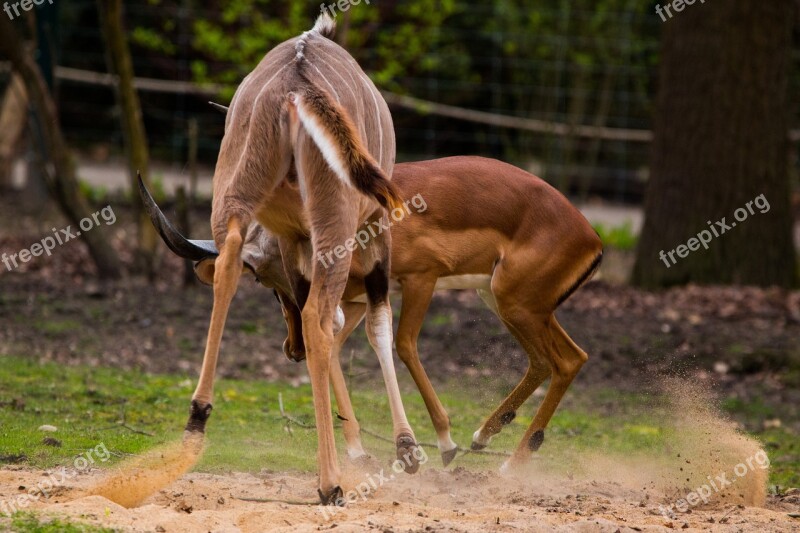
[[198, 417], [365, 462], [448, 456], [407, 453], [476, 446], [334, 497]]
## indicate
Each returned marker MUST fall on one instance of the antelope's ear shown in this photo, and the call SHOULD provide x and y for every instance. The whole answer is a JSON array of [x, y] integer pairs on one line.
[[204, 270]]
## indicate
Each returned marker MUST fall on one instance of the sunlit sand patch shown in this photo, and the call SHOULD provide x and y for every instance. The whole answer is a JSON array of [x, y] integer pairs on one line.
[[134, 480]]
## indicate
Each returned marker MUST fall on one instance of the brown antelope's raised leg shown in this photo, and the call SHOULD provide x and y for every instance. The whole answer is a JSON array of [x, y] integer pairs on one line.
[[226, 279], [566, 359], [417, 293], [502, 416], [353, 314]]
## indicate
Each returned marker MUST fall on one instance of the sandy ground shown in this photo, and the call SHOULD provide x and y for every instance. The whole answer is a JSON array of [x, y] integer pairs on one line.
[[435, 500]]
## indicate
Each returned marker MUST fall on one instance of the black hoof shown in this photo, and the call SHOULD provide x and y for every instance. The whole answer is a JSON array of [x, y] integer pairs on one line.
[[447, 457], [536, 441], [475, 446], [407, 453], [335, 497], [198, 417]]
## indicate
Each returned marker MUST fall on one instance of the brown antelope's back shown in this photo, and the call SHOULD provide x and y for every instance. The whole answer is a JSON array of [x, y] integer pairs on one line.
[[482, 211]]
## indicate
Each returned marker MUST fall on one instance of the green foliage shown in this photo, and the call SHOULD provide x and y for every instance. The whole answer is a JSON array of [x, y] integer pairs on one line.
[[95, 194], [28, 522], [621, 237]]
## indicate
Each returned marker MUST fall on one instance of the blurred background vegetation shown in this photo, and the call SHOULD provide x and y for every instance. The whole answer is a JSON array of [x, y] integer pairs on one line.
[[570, 62], [566, 89]]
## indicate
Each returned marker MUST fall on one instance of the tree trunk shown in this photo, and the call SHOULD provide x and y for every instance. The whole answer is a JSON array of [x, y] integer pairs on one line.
[[720, 142], [13, 116], [59, 169], [121, 64]]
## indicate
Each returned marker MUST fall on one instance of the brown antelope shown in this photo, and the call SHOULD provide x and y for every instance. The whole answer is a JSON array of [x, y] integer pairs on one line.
[[487, 226], [308, 119]]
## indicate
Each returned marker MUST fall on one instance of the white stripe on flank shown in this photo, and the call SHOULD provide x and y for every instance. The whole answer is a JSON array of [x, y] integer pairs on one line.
[[378, 114], [323, 140], [248, 81], [344, 81], [335, 93]]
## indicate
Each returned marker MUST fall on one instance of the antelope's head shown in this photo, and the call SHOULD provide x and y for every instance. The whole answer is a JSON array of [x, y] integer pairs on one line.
[[260, 256]]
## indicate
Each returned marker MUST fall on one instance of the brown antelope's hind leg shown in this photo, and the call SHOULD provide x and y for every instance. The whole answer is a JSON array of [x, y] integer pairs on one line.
[[228, 270], [379, 332], [417, 295], [505, 414], [353, 314], [565, 359]]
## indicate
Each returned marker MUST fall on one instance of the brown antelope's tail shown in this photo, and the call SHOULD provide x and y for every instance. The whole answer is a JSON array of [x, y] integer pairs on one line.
[[337, 138]]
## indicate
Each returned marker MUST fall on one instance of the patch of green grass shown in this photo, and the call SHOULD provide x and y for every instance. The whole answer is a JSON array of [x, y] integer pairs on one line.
[[440, 320], [27, 522], [54, 328], [247, 433], [250, 328], [621, 237]]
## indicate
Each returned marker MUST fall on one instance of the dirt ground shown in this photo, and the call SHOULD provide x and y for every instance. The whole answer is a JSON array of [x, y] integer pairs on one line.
[[558, 490], [434, 500]]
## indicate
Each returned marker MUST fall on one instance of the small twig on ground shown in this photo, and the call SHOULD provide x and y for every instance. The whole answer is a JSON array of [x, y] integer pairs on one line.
[[289, 418], [123, 423], [429, 445], [464, 451], [275, 500]]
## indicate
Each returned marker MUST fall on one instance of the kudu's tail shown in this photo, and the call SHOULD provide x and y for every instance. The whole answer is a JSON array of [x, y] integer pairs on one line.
[[334, 133]]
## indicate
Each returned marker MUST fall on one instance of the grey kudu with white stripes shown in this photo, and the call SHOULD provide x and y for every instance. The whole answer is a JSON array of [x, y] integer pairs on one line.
[[308, 119]]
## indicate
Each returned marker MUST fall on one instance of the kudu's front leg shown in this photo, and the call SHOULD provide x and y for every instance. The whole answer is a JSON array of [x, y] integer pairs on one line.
[[228, 270]]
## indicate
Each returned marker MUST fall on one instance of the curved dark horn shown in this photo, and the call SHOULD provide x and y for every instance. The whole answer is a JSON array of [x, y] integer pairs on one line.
[[183, 247]]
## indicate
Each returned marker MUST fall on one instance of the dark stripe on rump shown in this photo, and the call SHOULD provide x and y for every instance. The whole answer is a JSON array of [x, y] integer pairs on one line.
[[586, 275]]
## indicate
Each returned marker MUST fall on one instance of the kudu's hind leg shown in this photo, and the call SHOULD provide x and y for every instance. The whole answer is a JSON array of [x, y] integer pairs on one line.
[[353, 314], [379, 333], [228, 270]]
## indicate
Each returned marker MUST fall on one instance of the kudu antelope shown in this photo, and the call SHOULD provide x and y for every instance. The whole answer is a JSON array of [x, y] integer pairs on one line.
[[487, 226], [308, 115]]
